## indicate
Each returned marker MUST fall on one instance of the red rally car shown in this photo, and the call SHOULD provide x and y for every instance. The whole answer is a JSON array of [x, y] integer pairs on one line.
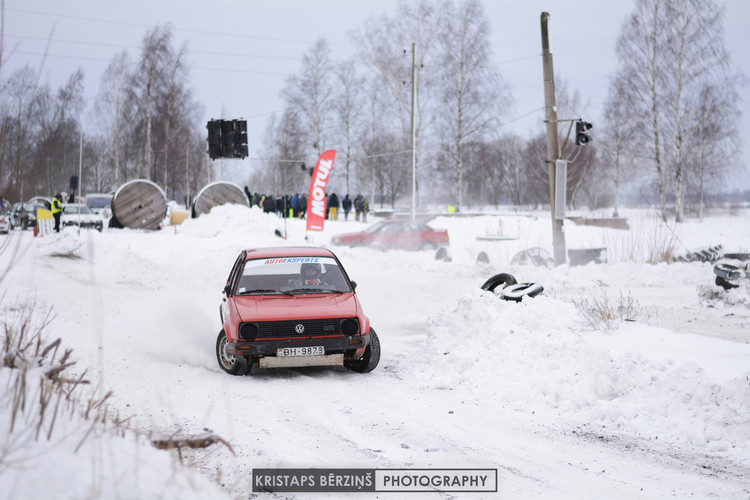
[[289, 307]]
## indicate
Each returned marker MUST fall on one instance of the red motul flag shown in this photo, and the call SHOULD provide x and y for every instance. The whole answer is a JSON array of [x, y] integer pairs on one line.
[[316, 199]]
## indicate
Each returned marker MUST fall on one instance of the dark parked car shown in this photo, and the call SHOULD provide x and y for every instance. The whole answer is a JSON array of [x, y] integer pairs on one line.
[[292, 307], [406, 235]]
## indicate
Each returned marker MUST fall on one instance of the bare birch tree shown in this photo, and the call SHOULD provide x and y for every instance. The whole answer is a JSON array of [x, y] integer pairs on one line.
[[110, 112], [21, 93], [147, 79], [310, 93], [617, 138], [473, 95], [714, 135], [349, 104], [640, 52], [670, 52], [695, 54], [385, 45]]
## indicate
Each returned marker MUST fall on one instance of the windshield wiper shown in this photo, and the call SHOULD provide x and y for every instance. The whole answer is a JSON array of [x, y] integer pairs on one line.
[[313, 290], [264, 290]]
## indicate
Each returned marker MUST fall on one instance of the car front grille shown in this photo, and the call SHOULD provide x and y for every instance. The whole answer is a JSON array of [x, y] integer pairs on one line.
[[306, 328]]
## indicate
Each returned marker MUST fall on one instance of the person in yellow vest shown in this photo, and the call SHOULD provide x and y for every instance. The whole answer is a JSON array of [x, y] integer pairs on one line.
[[57, 210]]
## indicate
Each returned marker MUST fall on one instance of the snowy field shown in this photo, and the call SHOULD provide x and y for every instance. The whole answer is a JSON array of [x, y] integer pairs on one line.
[[654, 404]]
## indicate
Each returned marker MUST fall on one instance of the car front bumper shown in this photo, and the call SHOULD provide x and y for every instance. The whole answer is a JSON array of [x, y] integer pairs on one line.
[[85, 225], [338, 344]]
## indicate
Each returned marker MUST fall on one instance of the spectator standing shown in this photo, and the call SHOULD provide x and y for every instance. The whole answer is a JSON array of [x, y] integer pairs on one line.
[[357, 207], [346, 204], [295, 205], [302, 206], [365, 209], [269, 205], [57, 210], [333, 204]]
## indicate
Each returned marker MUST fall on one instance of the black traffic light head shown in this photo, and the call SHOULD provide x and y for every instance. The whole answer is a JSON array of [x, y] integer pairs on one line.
[[227, 139], [214, 139], [582, 136], [240, 139]]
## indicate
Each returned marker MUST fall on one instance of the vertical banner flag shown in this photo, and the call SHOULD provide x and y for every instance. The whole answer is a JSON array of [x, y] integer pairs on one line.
[[316, 199]]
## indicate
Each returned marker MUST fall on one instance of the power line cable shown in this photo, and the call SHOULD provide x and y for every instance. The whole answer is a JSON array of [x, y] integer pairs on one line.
[[140, 25]]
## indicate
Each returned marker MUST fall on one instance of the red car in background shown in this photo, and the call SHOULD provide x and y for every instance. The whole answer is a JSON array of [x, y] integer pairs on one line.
[[291, 307], [397, 234]]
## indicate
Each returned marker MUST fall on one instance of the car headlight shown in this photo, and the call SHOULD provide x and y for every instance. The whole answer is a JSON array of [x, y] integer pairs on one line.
[[350, 326], [249, 331]]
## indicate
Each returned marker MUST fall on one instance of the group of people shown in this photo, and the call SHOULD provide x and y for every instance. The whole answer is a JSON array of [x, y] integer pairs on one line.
[[296, 205]]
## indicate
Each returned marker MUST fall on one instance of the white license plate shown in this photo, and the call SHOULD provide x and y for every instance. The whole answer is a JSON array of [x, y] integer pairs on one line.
[[301, 351]]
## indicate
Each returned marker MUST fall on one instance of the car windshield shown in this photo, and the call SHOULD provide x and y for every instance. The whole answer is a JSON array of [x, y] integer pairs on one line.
[[99, 202], [82, 209], [378, 226], [284, 275]]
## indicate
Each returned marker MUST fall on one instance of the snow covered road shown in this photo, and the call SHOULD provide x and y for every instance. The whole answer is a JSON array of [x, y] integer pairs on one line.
[[465, 380]]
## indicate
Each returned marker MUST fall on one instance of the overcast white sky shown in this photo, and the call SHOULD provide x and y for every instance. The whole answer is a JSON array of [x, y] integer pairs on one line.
[[241, 51]]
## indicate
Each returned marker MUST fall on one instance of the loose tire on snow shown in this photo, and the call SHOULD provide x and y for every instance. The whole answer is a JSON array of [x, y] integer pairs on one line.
[[369, 359], [233, 365], [503, 279], [518, 291], [725, 284]]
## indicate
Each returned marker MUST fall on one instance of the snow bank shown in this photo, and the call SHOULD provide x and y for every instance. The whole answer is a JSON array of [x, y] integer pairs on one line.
[[534, 356]]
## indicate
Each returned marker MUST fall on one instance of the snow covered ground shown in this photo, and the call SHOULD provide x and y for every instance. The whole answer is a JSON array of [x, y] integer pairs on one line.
[[653, 407]]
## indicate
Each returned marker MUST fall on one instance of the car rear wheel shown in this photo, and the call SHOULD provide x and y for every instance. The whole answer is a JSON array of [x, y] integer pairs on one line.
[[369, 359], [233, 365], [428, 245]]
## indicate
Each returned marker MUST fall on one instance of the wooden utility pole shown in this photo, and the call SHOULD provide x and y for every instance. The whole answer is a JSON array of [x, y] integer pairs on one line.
[[553, 148]]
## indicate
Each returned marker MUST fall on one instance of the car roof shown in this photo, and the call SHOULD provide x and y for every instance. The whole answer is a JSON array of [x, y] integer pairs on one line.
[[271, 252]]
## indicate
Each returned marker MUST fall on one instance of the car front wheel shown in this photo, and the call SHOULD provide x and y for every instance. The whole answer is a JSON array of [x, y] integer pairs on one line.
[[369, 359], [233, 365]]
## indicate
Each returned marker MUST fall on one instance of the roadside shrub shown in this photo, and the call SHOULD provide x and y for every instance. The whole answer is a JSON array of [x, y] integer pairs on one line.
[[600, 312]]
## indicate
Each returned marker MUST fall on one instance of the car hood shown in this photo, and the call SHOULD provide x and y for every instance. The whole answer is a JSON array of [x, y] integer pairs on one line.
[[348, 236], [285, 307]]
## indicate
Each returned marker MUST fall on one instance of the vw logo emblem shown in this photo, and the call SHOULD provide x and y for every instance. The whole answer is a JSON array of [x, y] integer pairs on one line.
[[300, 328]]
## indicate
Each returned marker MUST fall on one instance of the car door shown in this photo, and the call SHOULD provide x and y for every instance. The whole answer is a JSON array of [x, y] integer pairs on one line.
[[413, 234]]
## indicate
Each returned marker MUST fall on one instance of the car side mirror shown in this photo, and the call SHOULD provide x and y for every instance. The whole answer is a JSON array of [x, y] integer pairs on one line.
[[228, 290], [354, 285]]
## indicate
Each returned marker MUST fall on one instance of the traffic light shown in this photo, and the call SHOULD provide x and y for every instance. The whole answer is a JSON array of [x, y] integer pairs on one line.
[[214, 139], [582, 137], [227, 139], [240, 138]]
